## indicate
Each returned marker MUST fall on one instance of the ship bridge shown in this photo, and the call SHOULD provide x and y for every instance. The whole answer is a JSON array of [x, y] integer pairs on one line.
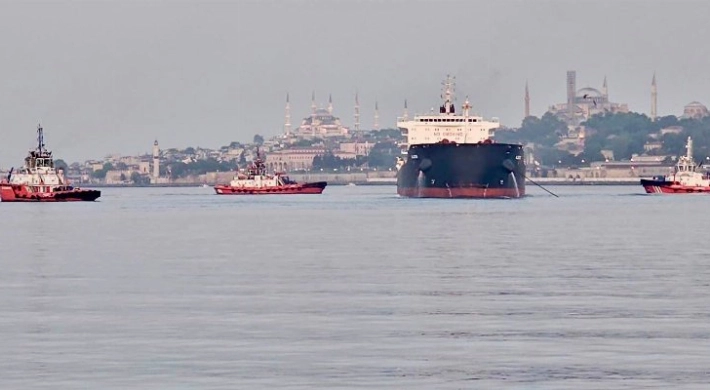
[[447, 125]]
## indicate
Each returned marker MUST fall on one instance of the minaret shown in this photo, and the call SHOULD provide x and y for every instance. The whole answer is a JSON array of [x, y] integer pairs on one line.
[[376, 126], [357, 113], [405, 115], [571, 94], [287, 119], [527, 101], [330, 104], [313, 102], [654, 98], [156, 162], [605, 91]]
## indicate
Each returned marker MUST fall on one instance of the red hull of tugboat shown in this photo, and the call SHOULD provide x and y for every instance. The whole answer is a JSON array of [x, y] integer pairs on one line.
[[18, 193], [287, 189], [669, 187]]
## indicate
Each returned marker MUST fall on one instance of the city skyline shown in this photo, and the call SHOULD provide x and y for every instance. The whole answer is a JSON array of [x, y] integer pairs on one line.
[[208, 74]]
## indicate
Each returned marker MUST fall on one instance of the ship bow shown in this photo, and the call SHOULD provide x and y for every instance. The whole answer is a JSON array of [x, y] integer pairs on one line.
[[463, 171]]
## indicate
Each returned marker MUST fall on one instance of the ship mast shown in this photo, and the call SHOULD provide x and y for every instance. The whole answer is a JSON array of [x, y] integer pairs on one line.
[[40, 139], [448, 96], [466, 108]]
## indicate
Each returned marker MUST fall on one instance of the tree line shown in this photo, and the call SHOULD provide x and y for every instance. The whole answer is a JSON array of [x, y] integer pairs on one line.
[[625, 134]]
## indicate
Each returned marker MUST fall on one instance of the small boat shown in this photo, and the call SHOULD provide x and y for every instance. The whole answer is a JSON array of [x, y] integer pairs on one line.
[[39, 181], [256, 181], [685, 180]]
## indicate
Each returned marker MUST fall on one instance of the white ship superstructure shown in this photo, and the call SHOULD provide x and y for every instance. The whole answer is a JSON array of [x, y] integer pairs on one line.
[[38, 172], [431, 128], [256, 181], [39, 181], [686, 170], [685, 178]]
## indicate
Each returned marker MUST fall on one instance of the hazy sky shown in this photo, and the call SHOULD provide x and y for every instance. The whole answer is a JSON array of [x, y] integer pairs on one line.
[[111, 76]]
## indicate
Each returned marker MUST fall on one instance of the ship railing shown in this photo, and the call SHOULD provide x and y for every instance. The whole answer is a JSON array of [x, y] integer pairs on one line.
[[436, 115]]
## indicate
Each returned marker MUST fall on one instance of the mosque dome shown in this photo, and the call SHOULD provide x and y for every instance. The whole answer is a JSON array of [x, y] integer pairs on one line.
[[695, 110]]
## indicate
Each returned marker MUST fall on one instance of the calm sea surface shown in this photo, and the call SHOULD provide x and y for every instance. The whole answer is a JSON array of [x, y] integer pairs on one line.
[[177, 288]]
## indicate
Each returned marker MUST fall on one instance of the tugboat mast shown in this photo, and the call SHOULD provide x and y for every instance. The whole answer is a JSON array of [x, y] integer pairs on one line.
[[689, 146], [40, 140]]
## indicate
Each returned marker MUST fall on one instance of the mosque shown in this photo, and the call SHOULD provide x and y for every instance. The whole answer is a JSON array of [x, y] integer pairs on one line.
[[321, 123], [695, 110], [583, 103]]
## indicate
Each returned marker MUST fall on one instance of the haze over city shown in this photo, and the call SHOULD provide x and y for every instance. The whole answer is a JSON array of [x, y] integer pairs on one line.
[[110, 77]]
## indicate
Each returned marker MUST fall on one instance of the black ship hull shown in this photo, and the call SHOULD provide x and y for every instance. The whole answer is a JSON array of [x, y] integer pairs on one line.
[[450, 170]]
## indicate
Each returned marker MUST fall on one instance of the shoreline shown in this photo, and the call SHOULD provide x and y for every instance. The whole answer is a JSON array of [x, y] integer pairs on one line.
[[543, 182]]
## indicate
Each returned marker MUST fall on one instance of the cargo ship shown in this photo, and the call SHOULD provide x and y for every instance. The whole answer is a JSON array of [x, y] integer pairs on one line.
[[685, 179], [256, 181], [450, 155], [39, 181]]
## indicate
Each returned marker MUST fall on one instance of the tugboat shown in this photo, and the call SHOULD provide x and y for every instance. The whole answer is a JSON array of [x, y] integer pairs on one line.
[[449, 155], [685, 179], [255, 181], [39, 181]]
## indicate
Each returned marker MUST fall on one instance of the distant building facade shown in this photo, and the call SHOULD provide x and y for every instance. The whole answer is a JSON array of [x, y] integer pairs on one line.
[[299, 159], [357, 148]]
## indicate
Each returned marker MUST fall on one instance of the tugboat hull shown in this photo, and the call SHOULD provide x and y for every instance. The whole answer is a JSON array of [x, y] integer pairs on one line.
[[18, 193], [669, 187], [288, 189], [450, 170]]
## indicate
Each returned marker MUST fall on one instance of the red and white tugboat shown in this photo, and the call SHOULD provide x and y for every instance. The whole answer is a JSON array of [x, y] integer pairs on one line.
[[255, 181], [38, 181], [685, 179]]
